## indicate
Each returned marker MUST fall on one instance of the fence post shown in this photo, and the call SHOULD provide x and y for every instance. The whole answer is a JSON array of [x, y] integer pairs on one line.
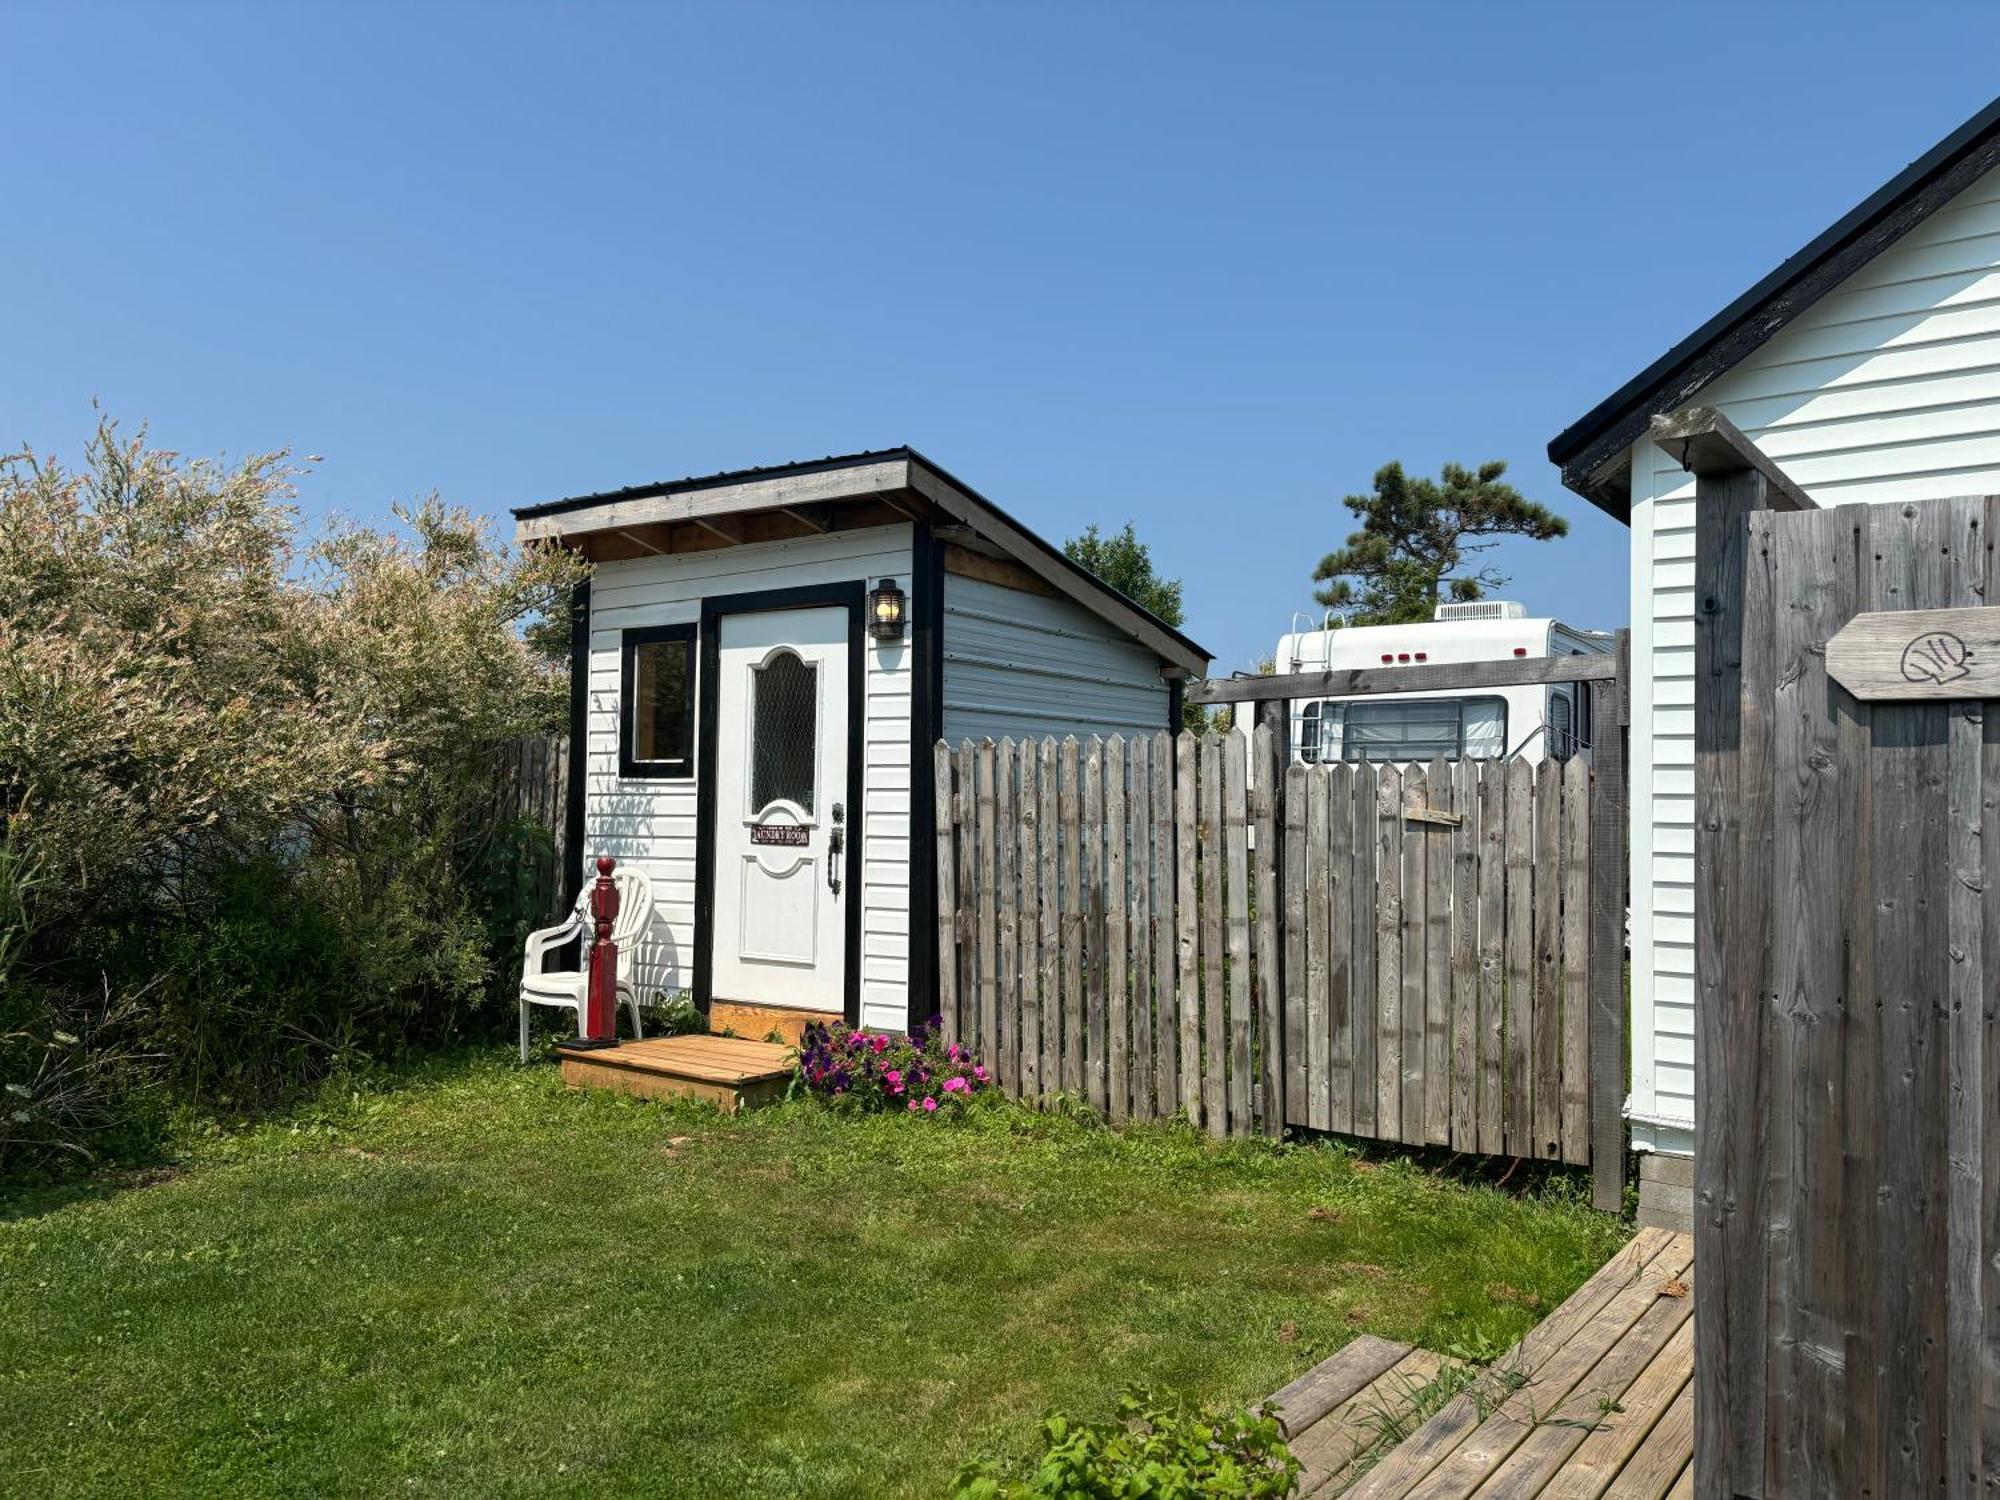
[[1609, 714]]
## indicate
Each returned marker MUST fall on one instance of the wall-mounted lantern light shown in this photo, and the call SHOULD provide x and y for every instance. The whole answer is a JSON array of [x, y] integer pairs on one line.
[[887, 616]]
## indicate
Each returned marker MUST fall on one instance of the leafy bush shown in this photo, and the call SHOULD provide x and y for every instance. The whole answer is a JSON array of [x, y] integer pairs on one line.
[[1156, 1449], [920, 1073], [253, 771]]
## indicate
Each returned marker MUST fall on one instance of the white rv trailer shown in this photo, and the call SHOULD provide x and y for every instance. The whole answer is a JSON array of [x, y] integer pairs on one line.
[[1534, 722]]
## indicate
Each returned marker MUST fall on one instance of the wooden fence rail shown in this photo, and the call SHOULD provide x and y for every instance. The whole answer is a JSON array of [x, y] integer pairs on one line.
[[1399, 953]]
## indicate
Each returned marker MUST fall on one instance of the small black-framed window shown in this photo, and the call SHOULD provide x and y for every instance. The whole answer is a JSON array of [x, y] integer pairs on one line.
[[656, 707]]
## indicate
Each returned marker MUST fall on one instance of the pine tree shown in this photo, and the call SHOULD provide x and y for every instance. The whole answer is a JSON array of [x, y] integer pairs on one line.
[[1419, 537]]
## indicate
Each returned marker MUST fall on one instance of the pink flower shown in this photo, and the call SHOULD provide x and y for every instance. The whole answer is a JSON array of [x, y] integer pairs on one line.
[[954, 1085], [913, 1106], [980, 1072], [930, 1106], [881, 1044], [893, 1075], [955, 1052]]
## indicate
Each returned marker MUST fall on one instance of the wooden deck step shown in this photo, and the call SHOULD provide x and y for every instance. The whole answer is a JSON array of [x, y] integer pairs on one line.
[[729, 1072], [1583, 1407], [1333, 1381], [1332, 1414]]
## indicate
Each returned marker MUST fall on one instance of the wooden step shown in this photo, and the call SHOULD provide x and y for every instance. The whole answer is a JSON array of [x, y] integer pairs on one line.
[[729, 1072], [760, 1022], [1333, 1414]]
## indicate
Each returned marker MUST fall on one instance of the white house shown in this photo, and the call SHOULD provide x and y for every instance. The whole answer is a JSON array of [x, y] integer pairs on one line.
[[1867, 366], [761, 663]]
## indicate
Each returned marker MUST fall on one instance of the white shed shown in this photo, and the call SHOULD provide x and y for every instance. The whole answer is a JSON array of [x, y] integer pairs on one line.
[[753, 739], [1867, 366]]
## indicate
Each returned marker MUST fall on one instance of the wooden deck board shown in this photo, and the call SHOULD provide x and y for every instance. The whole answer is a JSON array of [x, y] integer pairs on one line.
[[1333, 1381], [1588, 1472], [1336, 1443], [1665, 1459], [729, 1072], [1594, 1402]]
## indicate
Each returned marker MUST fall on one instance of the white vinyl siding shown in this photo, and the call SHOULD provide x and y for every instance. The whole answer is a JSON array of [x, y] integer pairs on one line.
[[1887, 389], [1017, 663], [651, 823]]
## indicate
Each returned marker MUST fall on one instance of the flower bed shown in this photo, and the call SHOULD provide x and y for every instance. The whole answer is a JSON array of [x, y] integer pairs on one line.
[[920, 1073]]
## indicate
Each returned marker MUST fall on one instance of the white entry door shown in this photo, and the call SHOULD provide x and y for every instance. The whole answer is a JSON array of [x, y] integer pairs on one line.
[[781, 820]]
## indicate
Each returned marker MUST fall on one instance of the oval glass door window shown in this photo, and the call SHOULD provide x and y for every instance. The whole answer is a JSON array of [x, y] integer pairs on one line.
[[784, 732]]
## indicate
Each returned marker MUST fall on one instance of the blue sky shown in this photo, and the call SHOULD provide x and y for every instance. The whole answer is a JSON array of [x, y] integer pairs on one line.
[[1204, 268]]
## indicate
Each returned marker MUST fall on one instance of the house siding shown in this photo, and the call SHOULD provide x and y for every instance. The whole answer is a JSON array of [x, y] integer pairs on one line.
[[651, 824], [1019, 663], [1887, 389]]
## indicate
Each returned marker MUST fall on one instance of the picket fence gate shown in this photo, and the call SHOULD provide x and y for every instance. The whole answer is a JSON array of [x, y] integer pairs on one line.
[[1396, 953]]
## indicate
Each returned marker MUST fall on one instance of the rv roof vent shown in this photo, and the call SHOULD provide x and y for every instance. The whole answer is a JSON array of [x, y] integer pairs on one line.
[[1483, 609]]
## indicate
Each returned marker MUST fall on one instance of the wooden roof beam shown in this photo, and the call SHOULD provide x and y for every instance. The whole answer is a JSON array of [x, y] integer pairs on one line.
[[815, 517], [729, 528], [1703, 441]]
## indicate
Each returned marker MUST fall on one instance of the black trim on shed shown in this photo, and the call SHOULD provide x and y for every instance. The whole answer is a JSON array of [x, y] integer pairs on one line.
[[926, 729], [854, 598]]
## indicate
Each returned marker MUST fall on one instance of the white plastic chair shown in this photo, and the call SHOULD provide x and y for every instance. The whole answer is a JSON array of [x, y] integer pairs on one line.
[[571, 987]]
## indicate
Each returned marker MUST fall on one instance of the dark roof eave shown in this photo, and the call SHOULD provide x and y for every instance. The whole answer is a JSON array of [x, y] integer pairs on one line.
[[710, 481], [855, 460], [1587, 451]]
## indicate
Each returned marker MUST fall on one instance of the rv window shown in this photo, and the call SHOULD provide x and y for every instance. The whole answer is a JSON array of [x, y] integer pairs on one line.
[[1309, 728], [1485, 728], [656, 727], [1424, 728], [1562, 726]]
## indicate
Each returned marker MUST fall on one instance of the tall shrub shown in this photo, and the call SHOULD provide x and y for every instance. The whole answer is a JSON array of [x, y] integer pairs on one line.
[[251, 769]]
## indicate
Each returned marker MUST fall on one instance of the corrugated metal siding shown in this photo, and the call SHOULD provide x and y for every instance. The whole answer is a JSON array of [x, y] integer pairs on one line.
[[1887, 389], [1024, 664], [652, 823]]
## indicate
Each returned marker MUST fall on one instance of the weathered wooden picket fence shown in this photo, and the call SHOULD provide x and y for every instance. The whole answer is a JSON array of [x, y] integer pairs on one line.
[[530, 781], [1400, 953]]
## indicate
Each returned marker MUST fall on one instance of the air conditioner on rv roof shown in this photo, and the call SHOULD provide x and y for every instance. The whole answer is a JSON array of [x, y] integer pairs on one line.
[[1483, 609]]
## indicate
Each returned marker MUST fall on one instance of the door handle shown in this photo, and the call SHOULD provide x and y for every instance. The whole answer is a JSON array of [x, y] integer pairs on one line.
[[835, 844]]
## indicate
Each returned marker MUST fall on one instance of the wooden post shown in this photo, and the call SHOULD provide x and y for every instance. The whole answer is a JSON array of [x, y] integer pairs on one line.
[[1732, 939], [601, 1008]]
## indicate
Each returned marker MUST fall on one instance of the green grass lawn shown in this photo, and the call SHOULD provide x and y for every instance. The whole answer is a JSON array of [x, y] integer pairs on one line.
[[471, 1282]]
